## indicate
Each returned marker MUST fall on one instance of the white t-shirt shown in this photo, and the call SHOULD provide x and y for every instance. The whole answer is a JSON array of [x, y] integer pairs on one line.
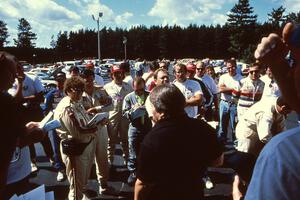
[[31, 86], [271, 88], [189, 88], [231, 82], [19, 166]]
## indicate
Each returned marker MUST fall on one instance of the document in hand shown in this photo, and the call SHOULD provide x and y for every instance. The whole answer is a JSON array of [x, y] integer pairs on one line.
[[97, 118], [48, 123], [139, 112], [35, 194]]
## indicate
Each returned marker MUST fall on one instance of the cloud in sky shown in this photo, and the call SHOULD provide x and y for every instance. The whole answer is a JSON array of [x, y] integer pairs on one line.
[[45, 16], [291, 5], [191, 11], [93, 7]]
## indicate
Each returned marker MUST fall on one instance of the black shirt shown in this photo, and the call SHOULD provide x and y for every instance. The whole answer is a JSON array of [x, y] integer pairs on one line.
[[174, 156], [12, 126]]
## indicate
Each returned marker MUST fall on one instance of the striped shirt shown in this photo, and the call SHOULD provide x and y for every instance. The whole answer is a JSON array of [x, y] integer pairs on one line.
[[249, 92]]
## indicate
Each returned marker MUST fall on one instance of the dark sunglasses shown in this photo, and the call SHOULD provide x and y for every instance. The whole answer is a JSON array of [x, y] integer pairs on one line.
[[200, 69], [252, 72]]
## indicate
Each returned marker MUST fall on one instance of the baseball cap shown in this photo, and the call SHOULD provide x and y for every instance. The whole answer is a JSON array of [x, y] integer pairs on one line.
[[89, 65], [60, 76], [116, 68], [191, 67]]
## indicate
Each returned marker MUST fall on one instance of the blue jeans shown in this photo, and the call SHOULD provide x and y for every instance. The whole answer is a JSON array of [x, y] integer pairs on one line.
[[135, 138], [228, 114], [55, 140]]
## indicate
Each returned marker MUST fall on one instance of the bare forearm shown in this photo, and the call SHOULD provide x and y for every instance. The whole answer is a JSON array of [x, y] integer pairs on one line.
[[137, 189], [194, 101]]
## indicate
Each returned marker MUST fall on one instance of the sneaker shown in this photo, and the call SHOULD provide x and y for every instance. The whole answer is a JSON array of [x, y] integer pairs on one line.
[[106, 190], [34, 168], [60, 176], [131, 179], [208, 183], [52, 162]]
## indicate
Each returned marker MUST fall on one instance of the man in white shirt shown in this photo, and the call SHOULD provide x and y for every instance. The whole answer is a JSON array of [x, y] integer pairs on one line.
[[228, 85], [118, 125], [250, 91], [271, 88], [211, 86], [260, 123], [190, 89], [161, 77]]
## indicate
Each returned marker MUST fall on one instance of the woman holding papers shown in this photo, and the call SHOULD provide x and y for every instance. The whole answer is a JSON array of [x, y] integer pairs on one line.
[[74, 119], [96, 100]]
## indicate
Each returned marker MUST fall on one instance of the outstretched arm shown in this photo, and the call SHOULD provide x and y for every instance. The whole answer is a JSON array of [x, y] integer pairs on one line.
[[272, 51]]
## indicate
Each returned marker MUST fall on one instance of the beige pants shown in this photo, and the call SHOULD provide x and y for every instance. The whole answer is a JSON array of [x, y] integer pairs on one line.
[[101, 158], [118, 127], [82, 165], [247, 140]]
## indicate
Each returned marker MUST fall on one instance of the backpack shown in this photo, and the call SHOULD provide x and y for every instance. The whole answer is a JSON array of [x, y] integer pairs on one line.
[[206, 93]]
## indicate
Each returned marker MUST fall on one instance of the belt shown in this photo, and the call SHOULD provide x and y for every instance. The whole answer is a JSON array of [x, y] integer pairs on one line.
[[230, 102]]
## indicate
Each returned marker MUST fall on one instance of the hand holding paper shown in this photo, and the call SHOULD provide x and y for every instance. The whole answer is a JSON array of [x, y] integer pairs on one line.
[[97, 119]]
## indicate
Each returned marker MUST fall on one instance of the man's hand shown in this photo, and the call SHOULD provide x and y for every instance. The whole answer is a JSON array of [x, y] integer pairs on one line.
[[272, 52], [236, 193], [136, 106], [34, 134], [92, 110]]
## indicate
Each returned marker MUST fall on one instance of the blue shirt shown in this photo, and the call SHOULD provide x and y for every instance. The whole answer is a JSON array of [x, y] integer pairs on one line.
[[52, 98], [277, 171]]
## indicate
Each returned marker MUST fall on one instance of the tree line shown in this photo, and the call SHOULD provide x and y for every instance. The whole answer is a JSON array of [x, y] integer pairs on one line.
[[237, 38]]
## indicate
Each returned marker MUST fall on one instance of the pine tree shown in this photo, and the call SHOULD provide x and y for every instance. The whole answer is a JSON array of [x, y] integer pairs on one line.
[[242, 23], [277, 17], [53, 42], [293, 17], [3, 33], [25, 35]]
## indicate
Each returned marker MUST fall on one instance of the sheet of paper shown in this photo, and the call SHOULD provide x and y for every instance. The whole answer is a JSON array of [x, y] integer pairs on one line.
[[46, 119], [15, 197], [97, 118], [49, 196], [139, 112], [36, 194]]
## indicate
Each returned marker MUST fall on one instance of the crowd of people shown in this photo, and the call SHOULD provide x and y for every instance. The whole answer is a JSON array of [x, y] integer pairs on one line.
[[162, 125]]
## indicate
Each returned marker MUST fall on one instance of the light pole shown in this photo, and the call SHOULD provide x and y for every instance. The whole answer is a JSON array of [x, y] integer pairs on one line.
[[125, 49], [97, 20]]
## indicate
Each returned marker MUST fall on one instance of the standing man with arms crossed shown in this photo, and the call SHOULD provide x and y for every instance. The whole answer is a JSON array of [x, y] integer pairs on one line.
[[228, 85]]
